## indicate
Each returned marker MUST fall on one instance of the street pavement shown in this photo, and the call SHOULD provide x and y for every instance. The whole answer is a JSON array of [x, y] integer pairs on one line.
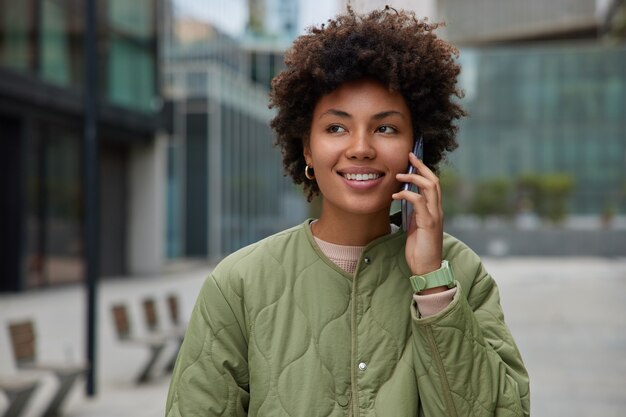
[[568, 316]]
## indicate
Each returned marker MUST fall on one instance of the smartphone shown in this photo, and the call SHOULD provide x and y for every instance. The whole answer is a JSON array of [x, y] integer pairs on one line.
[[407, 208]]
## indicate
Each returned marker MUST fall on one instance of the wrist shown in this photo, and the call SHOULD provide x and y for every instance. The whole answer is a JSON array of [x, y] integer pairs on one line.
[[426, 269], [434, 290]]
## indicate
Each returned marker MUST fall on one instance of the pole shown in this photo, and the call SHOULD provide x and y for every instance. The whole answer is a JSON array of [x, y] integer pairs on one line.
[[91, 188]]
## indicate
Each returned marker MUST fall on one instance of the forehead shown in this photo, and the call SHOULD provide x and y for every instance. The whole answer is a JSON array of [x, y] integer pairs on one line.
[[362, 96]]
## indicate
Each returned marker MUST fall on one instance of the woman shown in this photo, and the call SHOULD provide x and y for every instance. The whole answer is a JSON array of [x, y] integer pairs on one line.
[[348, 314]]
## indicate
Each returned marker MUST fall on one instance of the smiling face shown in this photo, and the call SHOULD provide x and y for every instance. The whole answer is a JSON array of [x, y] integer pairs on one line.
[[361, 136]]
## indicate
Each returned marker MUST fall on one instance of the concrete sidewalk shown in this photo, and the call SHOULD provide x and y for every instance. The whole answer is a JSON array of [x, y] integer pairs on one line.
[[59, 315], [567, 315]]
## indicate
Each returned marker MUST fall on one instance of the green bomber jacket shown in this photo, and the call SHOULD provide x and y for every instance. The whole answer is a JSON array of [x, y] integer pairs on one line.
[[279, 330]]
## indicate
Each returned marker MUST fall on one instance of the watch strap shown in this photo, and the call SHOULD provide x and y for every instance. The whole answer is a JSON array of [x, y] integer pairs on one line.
[[438, 278]]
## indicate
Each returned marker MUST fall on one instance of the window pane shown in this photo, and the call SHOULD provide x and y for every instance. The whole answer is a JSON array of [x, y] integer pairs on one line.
[[130, 75], [64, 261], [54, 43], [15, 26], [54, 251], [132, 17]]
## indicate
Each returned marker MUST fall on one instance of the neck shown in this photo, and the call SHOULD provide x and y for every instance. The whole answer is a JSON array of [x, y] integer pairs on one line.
[[351, 229]]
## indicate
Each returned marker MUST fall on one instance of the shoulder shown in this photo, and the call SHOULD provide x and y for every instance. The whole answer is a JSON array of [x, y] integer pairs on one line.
[[268, 256], [264, 250]]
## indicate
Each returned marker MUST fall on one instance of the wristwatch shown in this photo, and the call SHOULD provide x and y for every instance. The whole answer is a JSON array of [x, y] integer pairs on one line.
[[438, 278]]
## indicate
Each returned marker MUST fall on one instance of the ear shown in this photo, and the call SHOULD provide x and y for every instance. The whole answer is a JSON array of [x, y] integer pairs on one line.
[[307, 153]]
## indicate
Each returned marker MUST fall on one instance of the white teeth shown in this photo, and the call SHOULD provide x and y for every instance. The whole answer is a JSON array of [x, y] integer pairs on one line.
[[361, 177]]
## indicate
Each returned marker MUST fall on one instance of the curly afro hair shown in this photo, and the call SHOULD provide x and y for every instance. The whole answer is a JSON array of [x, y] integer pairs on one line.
[[393, 47]]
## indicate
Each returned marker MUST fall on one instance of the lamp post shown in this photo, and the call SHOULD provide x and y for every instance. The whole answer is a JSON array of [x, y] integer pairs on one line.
[[91, 187]]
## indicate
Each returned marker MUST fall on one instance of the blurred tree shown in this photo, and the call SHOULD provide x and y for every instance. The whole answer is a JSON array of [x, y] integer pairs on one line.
[[556, 190], [528, 193], [547, 194], [492, 197]]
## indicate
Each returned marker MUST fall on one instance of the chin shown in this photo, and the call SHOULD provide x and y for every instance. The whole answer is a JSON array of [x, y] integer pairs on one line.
[[368, 210]]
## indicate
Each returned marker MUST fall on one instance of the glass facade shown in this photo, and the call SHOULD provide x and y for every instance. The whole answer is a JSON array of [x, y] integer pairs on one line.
[[60, 42], [44, 38], [225, 184], [41, 81], [131, 55], [548, 109], [16, 31], [53, 221]]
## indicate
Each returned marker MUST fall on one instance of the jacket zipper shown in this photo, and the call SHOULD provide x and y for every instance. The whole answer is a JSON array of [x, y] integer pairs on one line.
[[354, 397], [447, 396]]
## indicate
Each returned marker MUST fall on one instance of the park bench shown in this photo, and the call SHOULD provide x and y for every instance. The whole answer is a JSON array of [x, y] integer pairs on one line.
[[18, 391], [23, 339], [155, 343], [176, 332]]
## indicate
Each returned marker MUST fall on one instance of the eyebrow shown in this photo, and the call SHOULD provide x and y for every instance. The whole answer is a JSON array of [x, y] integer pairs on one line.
[[377, 116], [335, 112], [382, 115]]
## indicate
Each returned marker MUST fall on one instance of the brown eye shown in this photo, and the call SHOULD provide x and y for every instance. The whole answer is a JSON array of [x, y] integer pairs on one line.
[[335, 129], [386, 129]]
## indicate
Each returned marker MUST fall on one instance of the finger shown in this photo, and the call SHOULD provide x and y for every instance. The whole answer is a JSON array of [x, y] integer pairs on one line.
[[422, 217], [428, 189], [426, 172], [422, 168]]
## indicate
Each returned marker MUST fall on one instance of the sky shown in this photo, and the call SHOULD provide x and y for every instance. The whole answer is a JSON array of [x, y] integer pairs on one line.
[[311, 12]]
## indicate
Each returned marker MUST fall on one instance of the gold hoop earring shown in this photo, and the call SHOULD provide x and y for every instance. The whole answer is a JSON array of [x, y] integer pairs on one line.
[[308, 174]]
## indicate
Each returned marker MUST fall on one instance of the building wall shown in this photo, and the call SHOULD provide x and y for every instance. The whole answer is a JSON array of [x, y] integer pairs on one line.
[[481, 21], [547, 109], [225, 183], [146, 209], [422, 8], [229, 175], [42, 79]]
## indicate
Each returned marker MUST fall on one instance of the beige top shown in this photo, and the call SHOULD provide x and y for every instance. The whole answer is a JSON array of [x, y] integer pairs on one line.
[[347, 257]]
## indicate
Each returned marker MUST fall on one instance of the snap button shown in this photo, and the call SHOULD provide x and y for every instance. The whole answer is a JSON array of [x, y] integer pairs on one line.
[[362, 366], [367, 260], [343, 400]]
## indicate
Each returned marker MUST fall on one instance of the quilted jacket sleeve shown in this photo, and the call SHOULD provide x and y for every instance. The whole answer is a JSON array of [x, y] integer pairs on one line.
[[467, 363], [211, 373]]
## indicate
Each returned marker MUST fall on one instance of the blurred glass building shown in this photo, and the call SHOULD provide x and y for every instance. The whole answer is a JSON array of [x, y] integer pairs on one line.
[[191, 176], [547, 109], [225, 187], [545, 87], [41, 129]]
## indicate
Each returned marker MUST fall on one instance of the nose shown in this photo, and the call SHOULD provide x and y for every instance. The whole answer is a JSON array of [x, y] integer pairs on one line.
[[361, 147]]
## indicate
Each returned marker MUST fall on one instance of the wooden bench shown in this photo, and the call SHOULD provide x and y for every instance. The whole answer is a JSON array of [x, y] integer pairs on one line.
[[155, 343], [18, 391], [174, 314], [23, 339], [177, 331]]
